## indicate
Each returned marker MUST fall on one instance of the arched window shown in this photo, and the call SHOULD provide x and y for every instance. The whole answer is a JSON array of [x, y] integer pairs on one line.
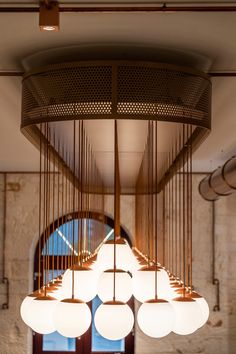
[[59, 246]]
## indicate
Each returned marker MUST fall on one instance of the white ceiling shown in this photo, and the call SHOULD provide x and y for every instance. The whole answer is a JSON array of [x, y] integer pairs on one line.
[[16, 153], [132, 137], [211, 35], [208, 34], [131, 143]]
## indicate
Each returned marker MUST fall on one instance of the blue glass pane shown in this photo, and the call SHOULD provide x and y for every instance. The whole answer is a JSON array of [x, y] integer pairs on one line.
[[99, 343], [48, 275], [55, 342], [61, 241]]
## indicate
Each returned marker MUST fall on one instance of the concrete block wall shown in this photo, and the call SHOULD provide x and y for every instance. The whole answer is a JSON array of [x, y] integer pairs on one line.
[[218, 336]]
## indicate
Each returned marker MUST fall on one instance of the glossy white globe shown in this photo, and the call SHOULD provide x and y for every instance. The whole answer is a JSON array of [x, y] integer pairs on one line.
[[24, 309], [171, 294], [56, 292], [94, 266], [143, 282], [174, 291], [123, 283], [156, 318], [125, 258], [203, 306], [40, 314], [187, 315], [114, 321], [72, 318], [85, 284], [65, 273], [205, 310]]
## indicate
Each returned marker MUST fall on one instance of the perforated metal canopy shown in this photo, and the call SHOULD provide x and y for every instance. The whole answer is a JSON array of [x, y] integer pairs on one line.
[[116, 90]]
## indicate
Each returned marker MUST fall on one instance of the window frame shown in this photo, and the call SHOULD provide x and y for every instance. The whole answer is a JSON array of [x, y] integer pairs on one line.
[[83, 344]]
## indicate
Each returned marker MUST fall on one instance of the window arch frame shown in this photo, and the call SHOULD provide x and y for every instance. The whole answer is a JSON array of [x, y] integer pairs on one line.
[[83, 344]]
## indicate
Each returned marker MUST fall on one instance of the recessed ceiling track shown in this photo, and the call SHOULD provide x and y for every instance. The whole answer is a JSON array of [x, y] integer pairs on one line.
[[121, 7]]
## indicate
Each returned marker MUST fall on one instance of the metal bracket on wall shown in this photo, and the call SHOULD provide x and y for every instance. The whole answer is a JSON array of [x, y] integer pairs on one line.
[[215, 280], [13, 187]]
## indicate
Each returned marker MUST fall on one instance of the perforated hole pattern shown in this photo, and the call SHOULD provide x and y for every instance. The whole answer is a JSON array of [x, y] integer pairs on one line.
[[116, 90]]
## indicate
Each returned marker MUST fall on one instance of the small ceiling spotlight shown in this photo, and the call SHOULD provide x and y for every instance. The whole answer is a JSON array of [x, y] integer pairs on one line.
[[49, 16]]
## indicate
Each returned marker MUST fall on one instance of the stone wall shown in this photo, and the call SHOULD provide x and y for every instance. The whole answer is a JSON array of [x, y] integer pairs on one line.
[[21, 240], [218, 336], [21, 236]]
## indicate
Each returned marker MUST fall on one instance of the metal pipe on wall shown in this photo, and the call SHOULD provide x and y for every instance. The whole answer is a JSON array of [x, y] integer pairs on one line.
[[215, 281], [5, 280], [221, 182]]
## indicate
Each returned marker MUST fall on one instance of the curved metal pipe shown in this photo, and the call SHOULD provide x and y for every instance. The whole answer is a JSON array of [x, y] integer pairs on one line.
[[221, 182]]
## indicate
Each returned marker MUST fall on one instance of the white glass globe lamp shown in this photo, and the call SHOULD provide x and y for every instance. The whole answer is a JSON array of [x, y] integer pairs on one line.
[[55, 291], [177, 292], [143, 282], [93, 264], [24, 308], [94, 267], [57, 282], [156, 318], [65, 272], [85, 283], [123, 283], [171, 294], [124, 256], [187, 315], [40, 314], [203, 306], [114, 320], [176, 286], [71, 318]]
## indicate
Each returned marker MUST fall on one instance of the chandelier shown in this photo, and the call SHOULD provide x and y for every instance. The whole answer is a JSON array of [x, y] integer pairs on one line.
[[158, 270]]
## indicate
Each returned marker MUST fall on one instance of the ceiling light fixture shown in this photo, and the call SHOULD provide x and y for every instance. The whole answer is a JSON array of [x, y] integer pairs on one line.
[[41, 309], [85, 279], [49, 16], [155, 316], [184, 97], [145, 279], [72, 316], [123, 285], [187, 311], [114, 319], [125, 258]]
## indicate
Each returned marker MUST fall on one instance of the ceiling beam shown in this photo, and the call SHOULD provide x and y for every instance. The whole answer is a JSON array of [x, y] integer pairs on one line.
[[125, 7]]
